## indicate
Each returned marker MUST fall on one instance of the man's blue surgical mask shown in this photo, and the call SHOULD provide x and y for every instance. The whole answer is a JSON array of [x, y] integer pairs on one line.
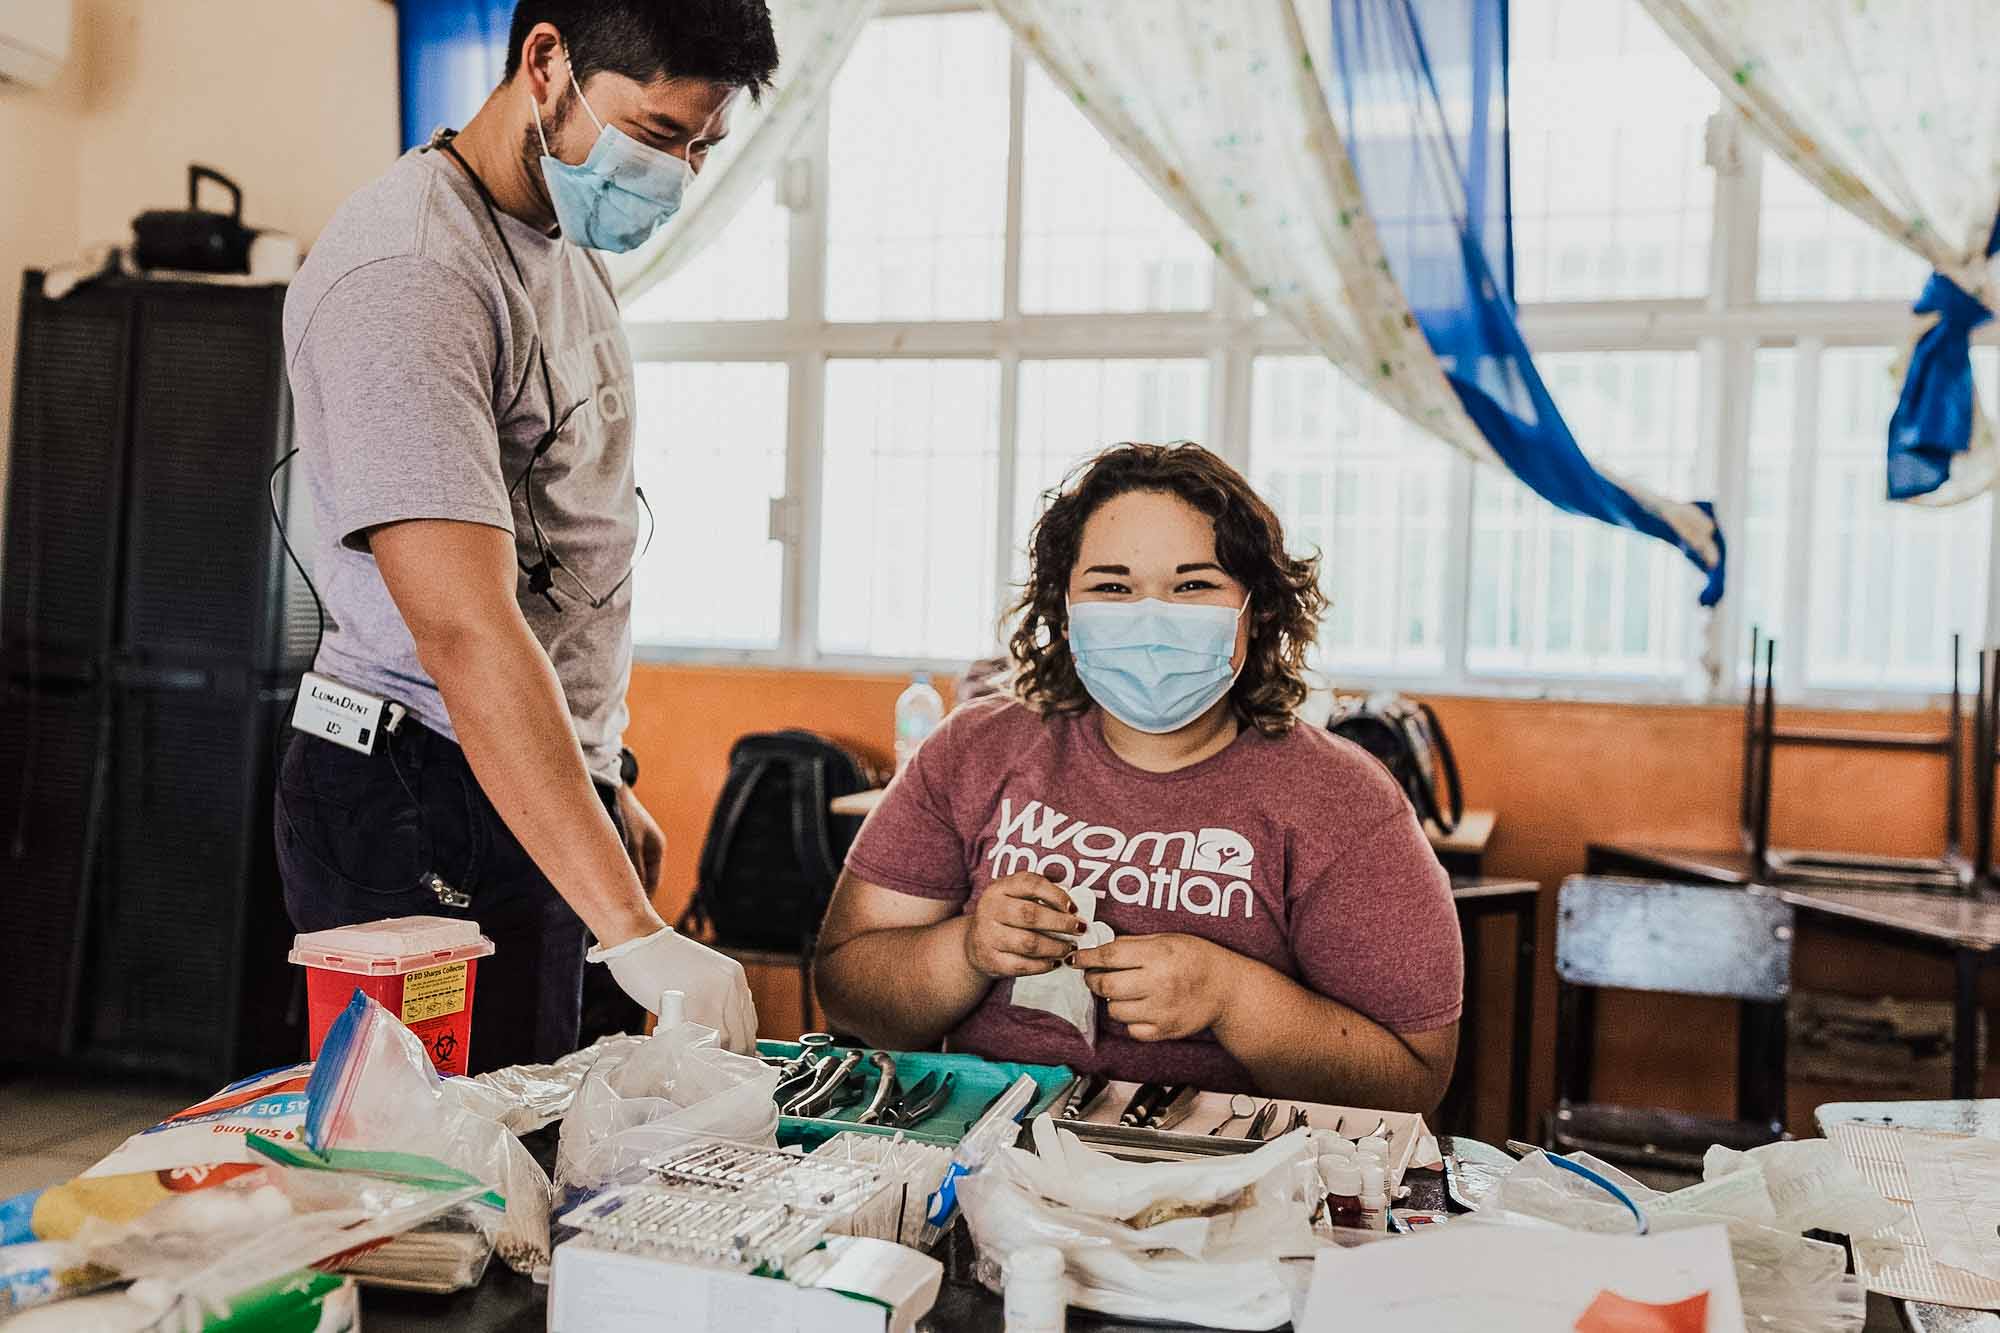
[[621, 194], [1155, 666]]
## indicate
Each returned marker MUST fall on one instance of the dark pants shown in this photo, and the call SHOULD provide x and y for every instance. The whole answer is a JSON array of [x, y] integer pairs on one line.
[[357, 842]]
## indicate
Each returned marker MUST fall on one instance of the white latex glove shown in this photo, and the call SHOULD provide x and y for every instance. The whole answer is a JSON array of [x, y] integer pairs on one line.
[[717, 994]]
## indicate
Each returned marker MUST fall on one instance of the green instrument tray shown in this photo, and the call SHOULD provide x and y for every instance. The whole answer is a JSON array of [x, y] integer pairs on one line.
[[978, 1081]]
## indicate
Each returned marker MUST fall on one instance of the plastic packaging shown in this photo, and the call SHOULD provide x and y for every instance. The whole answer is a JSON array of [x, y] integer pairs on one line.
[[1037, 1295], [1813, 1187], [421, 968], [915, 1169], [239, 1245], [1198, 1242], [525, 1098], [676, 1086], [209, 1277], [374, 1089], [36, 1272], [186, 1145], [919, 710], [1063, 991], [1789, 1283], [996, 1129], [299, 1300]]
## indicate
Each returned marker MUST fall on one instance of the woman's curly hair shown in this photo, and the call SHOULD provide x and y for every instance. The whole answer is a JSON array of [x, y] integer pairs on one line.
[[1285, 598]]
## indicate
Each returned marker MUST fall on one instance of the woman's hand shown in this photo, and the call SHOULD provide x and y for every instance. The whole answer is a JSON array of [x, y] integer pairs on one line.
[[1018, 926], [1161, 987]]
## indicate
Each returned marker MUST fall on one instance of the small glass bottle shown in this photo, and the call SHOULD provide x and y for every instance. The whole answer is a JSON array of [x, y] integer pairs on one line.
[[1037, 1297], [1343, 1196]]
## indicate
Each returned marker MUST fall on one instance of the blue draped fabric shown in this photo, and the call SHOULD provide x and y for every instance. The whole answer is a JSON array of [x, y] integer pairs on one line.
[[451, 54], [1420, 95], [1933, 417]]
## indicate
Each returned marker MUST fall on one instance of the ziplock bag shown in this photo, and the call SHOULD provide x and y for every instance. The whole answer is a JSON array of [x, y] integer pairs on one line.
[[195, 1260], [201, 1287], [675, 1086], [373, 1089]]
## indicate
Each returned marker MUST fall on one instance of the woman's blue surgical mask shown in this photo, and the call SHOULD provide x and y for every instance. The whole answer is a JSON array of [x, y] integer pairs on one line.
[[1155, 666], [621, 194]]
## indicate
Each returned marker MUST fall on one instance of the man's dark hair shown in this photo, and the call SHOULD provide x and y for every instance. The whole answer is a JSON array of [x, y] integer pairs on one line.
[[719, 41]]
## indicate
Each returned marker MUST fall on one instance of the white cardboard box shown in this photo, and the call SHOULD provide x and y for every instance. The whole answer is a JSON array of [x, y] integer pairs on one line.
[[598, 1290]]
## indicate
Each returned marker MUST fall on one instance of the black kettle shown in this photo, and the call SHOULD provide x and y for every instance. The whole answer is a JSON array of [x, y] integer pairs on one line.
[[195, 239]]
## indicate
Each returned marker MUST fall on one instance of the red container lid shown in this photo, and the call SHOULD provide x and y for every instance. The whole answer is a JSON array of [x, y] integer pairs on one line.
[[391, 946]]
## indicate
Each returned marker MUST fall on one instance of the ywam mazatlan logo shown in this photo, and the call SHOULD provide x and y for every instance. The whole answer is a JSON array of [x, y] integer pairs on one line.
[[1203, 872]]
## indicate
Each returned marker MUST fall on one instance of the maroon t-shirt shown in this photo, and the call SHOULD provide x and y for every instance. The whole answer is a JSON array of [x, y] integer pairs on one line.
[[1297, 850]]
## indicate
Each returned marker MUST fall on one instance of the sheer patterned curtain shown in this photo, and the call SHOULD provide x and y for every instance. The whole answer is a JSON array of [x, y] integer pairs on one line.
[[1892, 109], [814, 37], [1217, 103], [1220, 105]]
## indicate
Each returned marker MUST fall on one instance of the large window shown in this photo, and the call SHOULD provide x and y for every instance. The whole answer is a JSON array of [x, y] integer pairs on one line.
[[853, 403]]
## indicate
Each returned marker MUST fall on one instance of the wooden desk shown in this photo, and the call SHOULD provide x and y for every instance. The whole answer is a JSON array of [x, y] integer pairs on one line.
[[1964, 929], [860, 803], [1476, 900], [1648, 860], [1463, 850], [1965, 1116]]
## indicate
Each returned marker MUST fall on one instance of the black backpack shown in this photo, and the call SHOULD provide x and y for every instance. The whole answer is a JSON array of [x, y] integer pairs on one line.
[[773, 848], [1406, 736]]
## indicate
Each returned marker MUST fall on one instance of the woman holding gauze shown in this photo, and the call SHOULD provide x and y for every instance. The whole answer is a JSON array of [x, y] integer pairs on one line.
[[1278, 921]]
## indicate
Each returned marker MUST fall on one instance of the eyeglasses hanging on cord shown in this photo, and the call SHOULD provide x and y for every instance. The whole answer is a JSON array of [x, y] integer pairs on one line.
[[541, 574]]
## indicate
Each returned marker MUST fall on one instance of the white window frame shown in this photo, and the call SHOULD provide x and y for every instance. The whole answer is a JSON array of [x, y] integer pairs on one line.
[[1725, 329]]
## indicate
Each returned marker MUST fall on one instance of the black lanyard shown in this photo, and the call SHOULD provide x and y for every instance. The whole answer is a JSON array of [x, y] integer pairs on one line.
[[542, 572]]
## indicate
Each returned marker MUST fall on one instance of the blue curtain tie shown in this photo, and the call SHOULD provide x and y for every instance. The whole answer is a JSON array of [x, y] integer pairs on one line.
[[1437, 189], [1933, 418], [1536, 445]]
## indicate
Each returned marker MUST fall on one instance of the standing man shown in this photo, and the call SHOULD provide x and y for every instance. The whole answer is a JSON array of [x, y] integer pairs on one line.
[[463, 398]]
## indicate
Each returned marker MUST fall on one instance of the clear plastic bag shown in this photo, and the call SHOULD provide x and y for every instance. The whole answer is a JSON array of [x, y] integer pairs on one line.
[[675, 1086], [525, 1098], [1789, 1284], [1198, 1242], [244, 1243], [374, 1089], [1813, 1186], [209, 1280]]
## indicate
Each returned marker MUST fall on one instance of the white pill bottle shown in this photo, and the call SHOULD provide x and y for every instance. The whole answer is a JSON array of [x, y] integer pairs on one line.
[[1037, 1295]]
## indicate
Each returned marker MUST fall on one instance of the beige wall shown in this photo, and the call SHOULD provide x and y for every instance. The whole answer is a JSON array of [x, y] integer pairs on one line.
[[294, 99], [41, 135]]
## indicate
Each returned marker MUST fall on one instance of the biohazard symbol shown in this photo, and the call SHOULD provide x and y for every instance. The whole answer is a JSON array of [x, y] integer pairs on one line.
[[444, 1048]]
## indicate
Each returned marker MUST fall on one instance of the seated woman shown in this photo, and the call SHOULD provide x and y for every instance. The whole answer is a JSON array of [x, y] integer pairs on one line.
[[1280, 923]]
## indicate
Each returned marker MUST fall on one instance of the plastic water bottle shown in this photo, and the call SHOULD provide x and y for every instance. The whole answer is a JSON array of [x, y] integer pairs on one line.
[[919, 709]]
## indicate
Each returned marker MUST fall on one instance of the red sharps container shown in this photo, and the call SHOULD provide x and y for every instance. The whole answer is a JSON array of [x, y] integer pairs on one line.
[[419, 968]]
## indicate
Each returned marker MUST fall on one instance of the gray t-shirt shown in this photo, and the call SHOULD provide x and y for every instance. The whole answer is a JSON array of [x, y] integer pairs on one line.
[[418, 395]]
